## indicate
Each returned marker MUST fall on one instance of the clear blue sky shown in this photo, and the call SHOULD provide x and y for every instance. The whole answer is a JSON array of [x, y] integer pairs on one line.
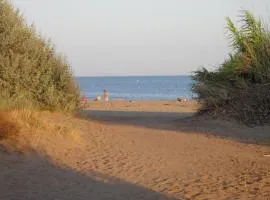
[[138, 37]]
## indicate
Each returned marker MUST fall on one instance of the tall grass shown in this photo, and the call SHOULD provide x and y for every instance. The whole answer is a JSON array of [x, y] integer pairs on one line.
[[31, 72], [240, 87], [7, 126]]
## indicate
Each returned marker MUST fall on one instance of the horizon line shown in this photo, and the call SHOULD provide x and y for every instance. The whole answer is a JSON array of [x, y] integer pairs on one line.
[[82, 76]]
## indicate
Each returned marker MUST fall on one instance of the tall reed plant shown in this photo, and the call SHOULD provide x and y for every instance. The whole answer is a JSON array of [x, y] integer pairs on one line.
[[240, 87]]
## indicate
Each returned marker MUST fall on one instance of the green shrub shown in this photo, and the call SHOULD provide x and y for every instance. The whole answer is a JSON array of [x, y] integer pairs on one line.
[[30, 69], [240, 87]]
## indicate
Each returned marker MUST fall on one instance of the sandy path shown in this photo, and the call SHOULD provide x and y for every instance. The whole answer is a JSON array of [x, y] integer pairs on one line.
[[176, 163], [141, 151]]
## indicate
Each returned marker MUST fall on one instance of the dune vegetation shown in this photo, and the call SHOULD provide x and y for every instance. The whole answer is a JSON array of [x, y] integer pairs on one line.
[[33, 76], [240, 87], [32, 73]]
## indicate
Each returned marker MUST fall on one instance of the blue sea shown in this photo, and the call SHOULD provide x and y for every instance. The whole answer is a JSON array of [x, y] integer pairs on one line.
[[137, 87]]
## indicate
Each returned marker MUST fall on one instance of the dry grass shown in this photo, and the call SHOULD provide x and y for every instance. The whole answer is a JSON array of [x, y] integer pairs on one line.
[[24, 129], [7, 126]]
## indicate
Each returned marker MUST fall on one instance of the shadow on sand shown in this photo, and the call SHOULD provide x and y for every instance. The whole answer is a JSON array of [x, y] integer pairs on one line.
[[32, 177], [184, 122]]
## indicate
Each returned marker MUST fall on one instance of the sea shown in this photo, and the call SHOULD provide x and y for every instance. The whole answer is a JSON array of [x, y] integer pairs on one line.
[[137, 87]]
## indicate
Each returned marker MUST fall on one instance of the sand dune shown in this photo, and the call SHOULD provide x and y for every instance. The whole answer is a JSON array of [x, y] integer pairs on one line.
[[143, 150]]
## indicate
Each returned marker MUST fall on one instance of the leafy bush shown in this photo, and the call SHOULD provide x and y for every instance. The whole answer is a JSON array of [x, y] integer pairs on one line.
[[240, 87], [30, 70]]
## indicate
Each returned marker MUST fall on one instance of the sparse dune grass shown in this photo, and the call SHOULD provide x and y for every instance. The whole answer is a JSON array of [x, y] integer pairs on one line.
[[7, 127], [25, 129]]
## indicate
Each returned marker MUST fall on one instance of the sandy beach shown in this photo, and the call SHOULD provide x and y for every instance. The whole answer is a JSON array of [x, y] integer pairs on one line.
[[134, 100], [141, 150]]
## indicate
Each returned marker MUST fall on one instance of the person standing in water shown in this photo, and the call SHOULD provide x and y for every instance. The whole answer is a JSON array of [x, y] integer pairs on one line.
[[106, 95]]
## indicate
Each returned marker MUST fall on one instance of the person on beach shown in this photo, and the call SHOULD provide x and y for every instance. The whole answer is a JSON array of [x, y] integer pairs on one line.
[[84, 101], [182, 99], [106, 95], [98, 98]]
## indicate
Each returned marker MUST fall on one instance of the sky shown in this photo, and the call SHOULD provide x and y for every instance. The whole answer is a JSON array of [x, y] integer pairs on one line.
[[138, 37]]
